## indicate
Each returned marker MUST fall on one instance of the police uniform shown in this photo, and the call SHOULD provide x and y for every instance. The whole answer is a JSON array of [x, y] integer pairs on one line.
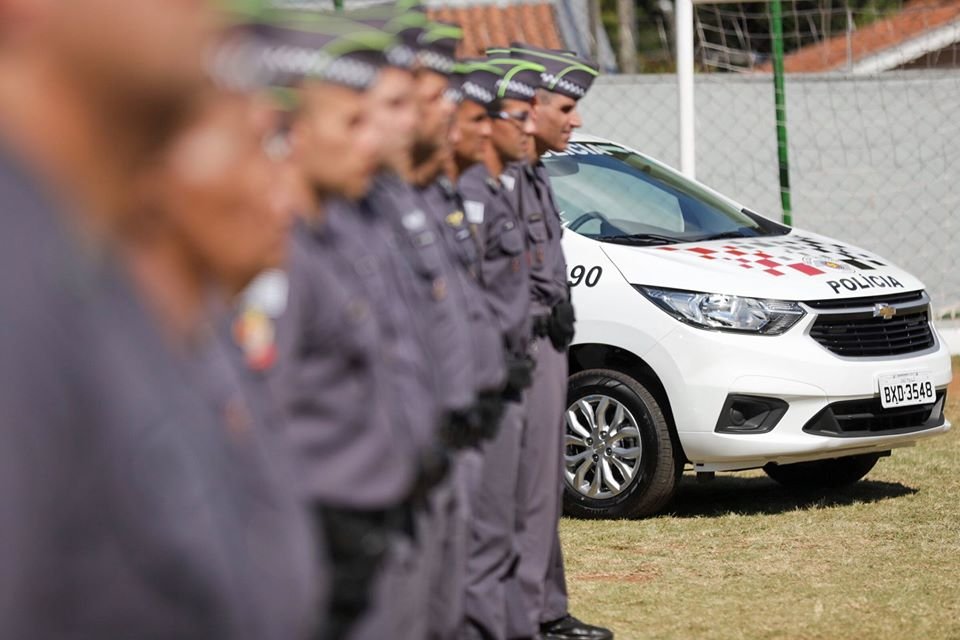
[[332, 377], [267, 493], [540, 488], [345, 418], [124, 510], [443, 204], [442, 313], [504, 273], [490, 207], [364, 242], [540, 484]]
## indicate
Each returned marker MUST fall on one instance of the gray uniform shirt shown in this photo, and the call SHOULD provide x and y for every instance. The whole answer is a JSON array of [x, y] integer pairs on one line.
[[491, 205], [428, 278], [123, 511], [443, 203], [544, 228], [361, 240], [332, 379], [267, 492]]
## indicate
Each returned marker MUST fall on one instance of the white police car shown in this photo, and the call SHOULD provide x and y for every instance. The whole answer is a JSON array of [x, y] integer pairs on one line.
[[710, 336]]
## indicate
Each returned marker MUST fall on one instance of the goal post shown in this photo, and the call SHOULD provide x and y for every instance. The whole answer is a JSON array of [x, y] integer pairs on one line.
[[685, 92]]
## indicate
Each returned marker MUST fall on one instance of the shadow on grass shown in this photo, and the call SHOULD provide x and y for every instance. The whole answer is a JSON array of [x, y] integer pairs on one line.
[[759, 495]]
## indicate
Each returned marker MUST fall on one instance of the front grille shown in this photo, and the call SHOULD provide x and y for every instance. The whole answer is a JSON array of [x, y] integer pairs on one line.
[[857, 418], [855, 331]]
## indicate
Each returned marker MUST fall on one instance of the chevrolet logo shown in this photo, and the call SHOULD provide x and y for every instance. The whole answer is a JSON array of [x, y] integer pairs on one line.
[[884, 311]]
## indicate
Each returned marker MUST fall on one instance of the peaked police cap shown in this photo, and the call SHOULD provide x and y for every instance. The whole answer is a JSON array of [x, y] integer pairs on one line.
[[564, 72]]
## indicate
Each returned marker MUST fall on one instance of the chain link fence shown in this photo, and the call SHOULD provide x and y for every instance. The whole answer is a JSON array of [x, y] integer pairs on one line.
[[872, 117], [872, 107]]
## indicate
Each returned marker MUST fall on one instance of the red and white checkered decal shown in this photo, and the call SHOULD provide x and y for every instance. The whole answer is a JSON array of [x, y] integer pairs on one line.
[[782, 255]]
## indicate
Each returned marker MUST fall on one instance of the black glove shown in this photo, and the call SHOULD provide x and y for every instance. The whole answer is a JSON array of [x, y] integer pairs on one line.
[[519, 376], [433, 467], [562, 321], [490, 406], [462, 428]]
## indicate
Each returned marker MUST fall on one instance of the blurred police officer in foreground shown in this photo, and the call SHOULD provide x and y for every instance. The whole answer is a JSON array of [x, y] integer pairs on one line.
[[332, 372], [490, 206], [564, 81], [215, 221], [125, 508]]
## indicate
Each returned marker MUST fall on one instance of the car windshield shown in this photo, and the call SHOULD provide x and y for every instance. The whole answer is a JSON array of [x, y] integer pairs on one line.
[[611, 194]]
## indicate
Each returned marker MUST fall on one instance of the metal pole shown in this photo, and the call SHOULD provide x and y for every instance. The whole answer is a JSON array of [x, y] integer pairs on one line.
[[849, 39], [781, 108], [684, 31], [627, 27], [595, 18]]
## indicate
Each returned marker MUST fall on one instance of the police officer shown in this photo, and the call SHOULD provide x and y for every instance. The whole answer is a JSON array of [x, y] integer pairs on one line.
[[462, 243], [490, 206], [564, 81], [214, 205], [334, 360], [443, 204], [121, 510], [401, 217]]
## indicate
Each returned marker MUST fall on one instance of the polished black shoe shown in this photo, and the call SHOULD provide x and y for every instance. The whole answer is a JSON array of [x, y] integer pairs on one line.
[[569, 628]]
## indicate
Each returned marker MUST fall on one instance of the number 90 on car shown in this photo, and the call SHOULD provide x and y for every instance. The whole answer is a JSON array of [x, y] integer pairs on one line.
[[905, 389]]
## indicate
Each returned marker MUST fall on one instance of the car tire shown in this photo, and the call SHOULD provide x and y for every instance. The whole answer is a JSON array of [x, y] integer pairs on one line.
[[823, 474], [645, 448]]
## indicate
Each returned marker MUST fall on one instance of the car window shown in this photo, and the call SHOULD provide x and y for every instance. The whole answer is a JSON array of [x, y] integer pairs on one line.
[[609, 193]]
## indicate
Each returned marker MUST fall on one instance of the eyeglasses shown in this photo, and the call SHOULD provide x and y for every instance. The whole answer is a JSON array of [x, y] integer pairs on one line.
[[516, 116]]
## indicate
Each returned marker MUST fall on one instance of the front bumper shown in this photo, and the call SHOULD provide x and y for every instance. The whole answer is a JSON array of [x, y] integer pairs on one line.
[[793, 368]]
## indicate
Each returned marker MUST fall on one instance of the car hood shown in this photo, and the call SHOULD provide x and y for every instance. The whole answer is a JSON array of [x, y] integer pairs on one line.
[[797, 266]]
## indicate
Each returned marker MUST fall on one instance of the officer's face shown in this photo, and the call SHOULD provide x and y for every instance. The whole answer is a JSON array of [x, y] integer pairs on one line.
[[512, 130], [226, 200], [557, 117], [335, 141], [473, 132], [435, 112], [393, 108], [137, 53]]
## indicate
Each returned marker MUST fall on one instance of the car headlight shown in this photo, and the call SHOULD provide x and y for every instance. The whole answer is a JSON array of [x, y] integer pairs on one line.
[[724, 312]]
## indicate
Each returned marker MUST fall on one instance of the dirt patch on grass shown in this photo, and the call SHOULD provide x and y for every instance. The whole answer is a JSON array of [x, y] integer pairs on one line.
[[619, 577]]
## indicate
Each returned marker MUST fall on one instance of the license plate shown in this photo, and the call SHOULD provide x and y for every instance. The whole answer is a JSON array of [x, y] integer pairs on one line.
[[906, 389]]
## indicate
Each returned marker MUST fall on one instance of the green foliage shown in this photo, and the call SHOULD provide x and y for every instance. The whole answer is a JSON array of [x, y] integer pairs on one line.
[[745, 26]]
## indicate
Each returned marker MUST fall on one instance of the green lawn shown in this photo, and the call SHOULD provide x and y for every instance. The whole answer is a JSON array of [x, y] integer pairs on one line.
[[740, 557]]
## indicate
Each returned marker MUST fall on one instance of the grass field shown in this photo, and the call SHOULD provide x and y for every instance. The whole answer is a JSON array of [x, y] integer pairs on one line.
[[740, 557]]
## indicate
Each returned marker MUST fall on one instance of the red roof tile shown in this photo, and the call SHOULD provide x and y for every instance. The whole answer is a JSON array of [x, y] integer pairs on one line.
[[490, 25], [914, 20]]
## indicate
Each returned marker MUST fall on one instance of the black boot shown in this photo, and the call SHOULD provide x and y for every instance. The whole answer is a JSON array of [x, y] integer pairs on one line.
[[569, 628]]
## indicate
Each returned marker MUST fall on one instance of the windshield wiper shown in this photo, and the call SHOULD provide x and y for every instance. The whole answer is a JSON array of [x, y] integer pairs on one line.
[[639, 239], [725, 235]]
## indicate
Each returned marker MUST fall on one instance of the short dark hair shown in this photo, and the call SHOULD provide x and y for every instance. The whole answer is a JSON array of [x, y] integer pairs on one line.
[[544, 96]]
